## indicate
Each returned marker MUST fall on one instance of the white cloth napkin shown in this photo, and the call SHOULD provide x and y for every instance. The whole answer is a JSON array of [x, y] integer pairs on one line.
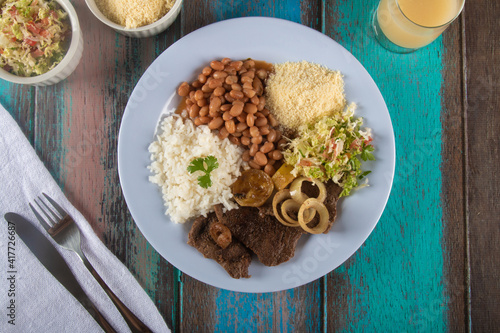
[[41, 303]]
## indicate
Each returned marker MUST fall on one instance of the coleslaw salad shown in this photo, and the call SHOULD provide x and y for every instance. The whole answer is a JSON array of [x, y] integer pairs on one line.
[[332, 149], [35, 36]]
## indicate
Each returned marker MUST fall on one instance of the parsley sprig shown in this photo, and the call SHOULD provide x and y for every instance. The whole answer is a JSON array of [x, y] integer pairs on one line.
[[206, 165]]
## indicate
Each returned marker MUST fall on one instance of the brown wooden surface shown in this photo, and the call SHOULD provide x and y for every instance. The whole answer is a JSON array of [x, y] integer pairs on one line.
[[74, 128], [453, 181], [482, 142]]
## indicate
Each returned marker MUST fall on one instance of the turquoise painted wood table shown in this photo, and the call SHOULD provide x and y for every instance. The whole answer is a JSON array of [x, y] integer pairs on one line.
[[431, 264]]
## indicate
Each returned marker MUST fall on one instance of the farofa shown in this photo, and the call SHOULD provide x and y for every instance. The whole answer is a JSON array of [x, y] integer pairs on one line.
[[302, 93], [134, 13]]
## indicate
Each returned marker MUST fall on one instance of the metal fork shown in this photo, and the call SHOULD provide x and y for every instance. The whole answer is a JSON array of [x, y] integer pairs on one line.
[[65, 232]]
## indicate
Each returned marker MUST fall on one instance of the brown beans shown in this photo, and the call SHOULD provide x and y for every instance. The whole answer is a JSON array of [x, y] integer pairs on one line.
[[215, 104], [272, 121], [246, 154], [206, 71], [264, 130], [219, 91], [236, 110], [204, 120], [257, 139], [194, 111], [276, 155], [215, 123], [206, 88], [241, 127], [267, 147], [261, 74], [217, 65], [183, 89], [234, 140], [254, 148], [232, 79], [269, 169], [260, 158], [249, 92], [254, 131], [254, 165], [198, 95], [214, 83], [230, 126], [257, 86], [203, 111], [202, 78], [281, 143], [237, 65], [242, 118], [245, 141], [261, 121], [250, 108], [236, 94], [220, 75], [246, 79], [271, 137], [250, 120], [228, 97], [223, 133], [227, 116]]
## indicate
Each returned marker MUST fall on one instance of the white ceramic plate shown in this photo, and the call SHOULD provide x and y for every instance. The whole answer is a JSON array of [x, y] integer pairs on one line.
[[274, 41]]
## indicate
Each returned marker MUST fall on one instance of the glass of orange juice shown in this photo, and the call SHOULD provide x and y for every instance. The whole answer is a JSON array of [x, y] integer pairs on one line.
[[403, 26]]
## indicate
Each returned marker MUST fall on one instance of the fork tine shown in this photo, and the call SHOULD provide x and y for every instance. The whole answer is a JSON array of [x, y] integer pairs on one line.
[[59, 209], [40, 218], [48, 211]]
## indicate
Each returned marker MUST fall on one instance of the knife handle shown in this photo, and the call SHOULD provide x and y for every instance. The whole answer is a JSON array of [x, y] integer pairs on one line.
[[134, 323], [106, 326]]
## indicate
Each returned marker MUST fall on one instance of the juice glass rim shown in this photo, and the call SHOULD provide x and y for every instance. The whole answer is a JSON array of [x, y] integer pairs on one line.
[[433, 27]]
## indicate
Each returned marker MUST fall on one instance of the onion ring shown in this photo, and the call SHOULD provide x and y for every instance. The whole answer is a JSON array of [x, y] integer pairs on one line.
[[291, 204], [296, 189], [323, 216], [278, 197]]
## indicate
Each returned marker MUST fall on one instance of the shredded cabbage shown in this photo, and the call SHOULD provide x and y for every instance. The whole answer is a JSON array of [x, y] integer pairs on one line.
[[34, 36], [331, 149]]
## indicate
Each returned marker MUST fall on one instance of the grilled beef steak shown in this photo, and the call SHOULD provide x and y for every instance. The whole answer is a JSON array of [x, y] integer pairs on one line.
[[272, 242], [333, 191], [235, 258]]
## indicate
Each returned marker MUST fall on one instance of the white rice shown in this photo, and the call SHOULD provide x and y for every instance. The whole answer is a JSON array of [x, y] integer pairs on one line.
[[178, 144]]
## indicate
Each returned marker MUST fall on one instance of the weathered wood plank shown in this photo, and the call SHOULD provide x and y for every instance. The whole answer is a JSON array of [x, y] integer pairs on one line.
[[395, 281], [453, 190], [482, 128], [19, 101]]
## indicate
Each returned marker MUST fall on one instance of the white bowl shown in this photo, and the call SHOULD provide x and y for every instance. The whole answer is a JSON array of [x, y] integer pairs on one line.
[[67, 64], [144, 31]]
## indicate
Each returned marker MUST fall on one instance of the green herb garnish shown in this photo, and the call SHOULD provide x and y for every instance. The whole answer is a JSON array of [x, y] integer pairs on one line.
[[206, 165]]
